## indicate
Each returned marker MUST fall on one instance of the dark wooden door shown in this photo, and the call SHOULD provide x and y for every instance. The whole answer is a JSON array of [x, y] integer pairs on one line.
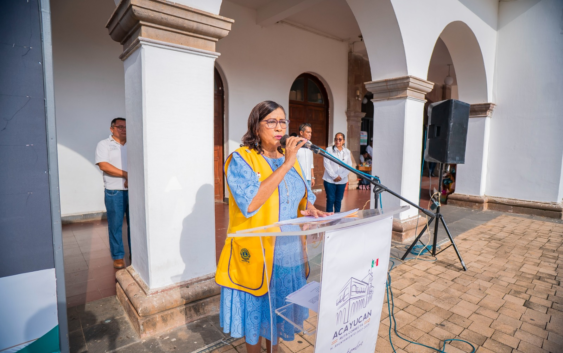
[[218, 137], [308, 103]]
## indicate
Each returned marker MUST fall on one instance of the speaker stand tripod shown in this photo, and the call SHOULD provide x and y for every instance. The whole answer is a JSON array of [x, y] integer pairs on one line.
[[438, 216]]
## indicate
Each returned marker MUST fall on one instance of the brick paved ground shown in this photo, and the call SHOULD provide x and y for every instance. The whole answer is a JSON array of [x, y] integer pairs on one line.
[[509, 300]]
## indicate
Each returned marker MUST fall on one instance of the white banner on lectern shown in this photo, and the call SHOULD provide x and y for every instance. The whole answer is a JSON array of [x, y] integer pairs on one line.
[[354, 274]]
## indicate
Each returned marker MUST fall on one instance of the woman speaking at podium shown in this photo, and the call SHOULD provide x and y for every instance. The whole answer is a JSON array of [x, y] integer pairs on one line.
[[266, 185]]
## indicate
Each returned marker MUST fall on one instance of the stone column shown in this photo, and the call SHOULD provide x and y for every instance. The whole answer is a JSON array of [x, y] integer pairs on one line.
[[354, 119], [358, 73], [471, 177], [397, 144], [169, 55]]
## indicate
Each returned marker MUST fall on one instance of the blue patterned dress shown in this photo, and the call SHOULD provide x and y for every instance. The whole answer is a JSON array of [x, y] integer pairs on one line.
[[245, 315]]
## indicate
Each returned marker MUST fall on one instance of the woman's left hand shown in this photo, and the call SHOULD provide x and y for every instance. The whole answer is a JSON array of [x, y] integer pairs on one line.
[[313, 212]]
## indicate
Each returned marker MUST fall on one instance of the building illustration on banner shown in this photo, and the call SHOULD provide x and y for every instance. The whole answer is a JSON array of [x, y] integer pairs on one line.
[[354, 295]]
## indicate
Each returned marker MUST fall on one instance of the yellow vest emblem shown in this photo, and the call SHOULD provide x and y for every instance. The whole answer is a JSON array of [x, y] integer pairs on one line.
[[245, 255]]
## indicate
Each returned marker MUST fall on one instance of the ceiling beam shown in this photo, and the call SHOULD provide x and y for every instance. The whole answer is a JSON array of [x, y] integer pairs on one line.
[[278, 10]]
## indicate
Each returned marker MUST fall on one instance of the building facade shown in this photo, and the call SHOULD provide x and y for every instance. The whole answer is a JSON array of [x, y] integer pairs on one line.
[[157, 64]]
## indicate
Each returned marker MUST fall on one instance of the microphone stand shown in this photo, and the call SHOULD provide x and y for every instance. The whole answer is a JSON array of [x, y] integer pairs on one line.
[[378, 188]]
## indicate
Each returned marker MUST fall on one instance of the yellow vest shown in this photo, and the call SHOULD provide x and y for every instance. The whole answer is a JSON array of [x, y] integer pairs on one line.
[[241, 264]]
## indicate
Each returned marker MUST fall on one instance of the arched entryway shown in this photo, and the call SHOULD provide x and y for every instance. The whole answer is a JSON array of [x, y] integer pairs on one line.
[[441, 71], [219, 95], [457, 69], [308, 103]]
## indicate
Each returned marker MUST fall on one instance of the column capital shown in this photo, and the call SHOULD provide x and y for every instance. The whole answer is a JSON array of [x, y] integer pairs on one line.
[[481, 110], [399, 87], [166, 22], [352, 115]]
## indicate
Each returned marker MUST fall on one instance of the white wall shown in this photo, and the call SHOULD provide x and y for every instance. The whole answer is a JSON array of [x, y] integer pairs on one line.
[[261, 63], [400, 35], [472, 175], [89, 93], [422, 22], [526, 145], [438, 71]]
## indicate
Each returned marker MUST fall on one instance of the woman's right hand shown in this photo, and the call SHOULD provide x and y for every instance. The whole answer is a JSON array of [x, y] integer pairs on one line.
[[292, 145]]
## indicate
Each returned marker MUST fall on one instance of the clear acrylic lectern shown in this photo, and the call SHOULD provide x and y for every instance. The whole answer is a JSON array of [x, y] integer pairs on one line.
[[326, 280]]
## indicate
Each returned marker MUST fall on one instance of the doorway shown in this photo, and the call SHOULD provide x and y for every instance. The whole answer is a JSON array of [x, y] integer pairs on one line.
[[219, 95], [308, 103]]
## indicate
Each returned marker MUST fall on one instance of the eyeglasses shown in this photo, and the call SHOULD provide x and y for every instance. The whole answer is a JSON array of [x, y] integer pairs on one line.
[[272, 123], [338, 139], [119, 127]]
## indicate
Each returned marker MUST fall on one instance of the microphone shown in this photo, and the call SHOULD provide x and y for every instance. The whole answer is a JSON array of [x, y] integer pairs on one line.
[[308, 145]]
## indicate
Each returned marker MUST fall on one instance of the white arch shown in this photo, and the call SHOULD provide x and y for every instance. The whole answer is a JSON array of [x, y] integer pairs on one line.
[[421, 22], [468, 62], [382, 37]]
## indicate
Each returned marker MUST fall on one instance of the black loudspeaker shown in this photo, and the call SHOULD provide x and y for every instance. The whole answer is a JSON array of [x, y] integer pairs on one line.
[[447, 132]]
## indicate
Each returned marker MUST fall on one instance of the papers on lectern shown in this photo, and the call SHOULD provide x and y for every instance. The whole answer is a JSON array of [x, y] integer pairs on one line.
[[313, 219], [307, 296]]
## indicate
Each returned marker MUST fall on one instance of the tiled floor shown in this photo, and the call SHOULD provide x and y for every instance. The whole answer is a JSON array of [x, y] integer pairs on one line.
[[509, 300], [101, 326], [89, 272]]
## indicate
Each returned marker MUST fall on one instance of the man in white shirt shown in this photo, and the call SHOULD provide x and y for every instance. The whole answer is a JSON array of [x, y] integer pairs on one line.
[[111, 157], [369, 149], [305, 156]]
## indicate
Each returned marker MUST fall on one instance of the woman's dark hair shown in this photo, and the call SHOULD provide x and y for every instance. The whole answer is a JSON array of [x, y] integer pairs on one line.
[[343, 137], [251, 139]]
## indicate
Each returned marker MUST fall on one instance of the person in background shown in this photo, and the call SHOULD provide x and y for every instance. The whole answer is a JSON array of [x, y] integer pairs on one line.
[[369, 149], [335, 176], [305, 156], [111, 157], [365, 157]]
